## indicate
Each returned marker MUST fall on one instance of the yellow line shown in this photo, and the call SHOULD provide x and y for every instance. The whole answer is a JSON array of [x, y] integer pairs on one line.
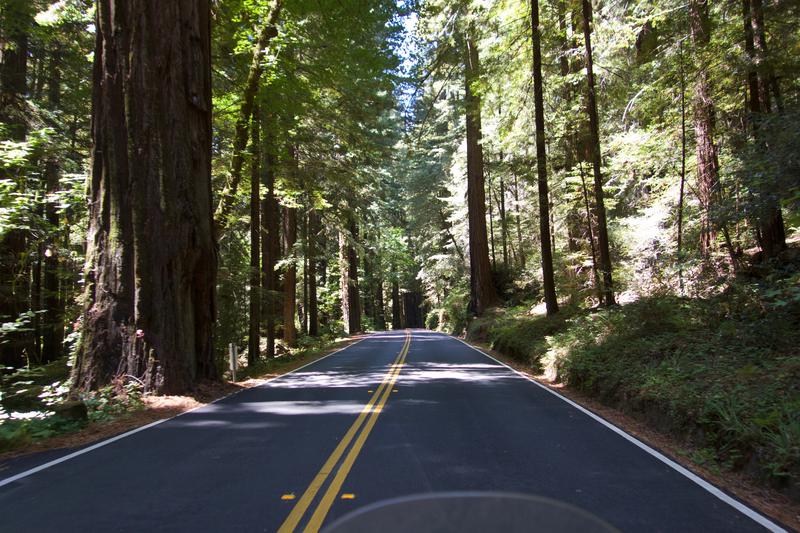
[[315, 522], [308, 496]]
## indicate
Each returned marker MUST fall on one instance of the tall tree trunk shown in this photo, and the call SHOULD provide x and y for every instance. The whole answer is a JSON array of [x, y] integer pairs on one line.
[[270, 237], [313, 304], [594, 140], [289, 277], [268, 32], [550, 298], [772, 234], [482, 291], [704, 119], [683, 170], [150, 302], [254, 334]]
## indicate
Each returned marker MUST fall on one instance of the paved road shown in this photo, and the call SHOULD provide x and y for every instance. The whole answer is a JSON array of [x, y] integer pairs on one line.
[[395, 414]]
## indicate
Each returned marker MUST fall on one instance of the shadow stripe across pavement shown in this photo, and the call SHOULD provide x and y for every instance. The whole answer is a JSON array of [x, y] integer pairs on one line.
[[450, 419]]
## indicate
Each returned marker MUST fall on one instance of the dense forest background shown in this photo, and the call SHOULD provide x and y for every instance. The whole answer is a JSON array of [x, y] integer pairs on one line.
[[607, 191]]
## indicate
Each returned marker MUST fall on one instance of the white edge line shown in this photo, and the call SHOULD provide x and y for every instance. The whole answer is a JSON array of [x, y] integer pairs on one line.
[[745, 510], [102, 443]]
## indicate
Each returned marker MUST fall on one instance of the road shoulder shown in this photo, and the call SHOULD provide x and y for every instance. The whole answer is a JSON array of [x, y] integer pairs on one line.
[[770, 503]]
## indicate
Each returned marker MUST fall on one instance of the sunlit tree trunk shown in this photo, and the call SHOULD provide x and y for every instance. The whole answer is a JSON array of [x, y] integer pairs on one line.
[[482, 291], [594, 134], [151, 260], [551, 301], [267, 32], [704, 119]]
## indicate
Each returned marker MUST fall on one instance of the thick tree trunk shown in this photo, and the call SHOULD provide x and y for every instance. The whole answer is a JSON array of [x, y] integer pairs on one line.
[[704, 119], [268, 32], [289, 277], [150, 301], [270, 238], [254, 334], [551, 301], [771, 230], [482, 291], [594, 139]]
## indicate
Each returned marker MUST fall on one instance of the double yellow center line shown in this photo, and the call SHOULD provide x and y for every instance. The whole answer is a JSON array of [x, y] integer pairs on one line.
[[358, 431]]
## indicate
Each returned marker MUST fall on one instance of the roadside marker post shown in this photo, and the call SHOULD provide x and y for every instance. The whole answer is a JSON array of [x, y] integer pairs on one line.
[[234, 353]]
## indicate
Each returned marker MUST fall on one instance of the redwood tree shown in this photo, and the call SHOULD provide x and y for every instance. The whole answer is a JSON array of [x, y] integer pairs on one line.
[[482, 291], [704, 122], [151, 262], [594, 146], [551, 301]]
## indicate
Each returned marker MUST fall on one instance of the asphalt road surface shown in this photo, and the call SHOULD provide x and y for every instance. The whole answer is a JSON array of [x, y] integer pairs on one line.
[[398, 413]]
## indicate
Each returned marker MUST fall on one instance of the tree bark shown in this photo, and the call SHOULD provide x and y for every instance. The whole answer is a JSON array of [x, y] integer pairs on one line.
[[150, 301], [354, 318], [594, 139], [704, 123], [550, 298], [482, 291], [289, 277], [270, 237], [254, 335], [268, 32], [771, 234]]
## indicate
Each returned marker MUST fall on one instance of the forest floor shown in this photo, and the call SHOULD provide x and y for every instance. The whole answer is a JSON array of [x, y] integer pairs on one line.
[[127, 416]]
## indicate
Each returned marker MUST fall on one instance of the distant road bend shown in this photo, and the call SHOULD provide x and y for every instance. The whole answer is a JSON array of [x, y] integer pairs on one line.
[[398, 413]]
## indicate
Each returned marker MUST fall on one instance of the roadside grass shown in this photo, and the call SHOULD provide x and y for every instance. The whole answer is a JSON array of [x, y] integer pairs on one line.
[[33, 401], [722, 374]]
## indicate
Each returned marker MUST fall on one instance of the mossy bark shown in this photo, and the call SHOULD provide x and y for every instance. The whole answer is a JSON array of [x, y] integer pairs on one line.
[[151, 256]]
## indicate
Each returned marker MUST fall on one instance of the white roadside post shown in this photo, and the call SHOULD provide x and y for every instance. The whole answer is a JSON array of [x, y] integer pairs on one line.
[[234, 356]]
